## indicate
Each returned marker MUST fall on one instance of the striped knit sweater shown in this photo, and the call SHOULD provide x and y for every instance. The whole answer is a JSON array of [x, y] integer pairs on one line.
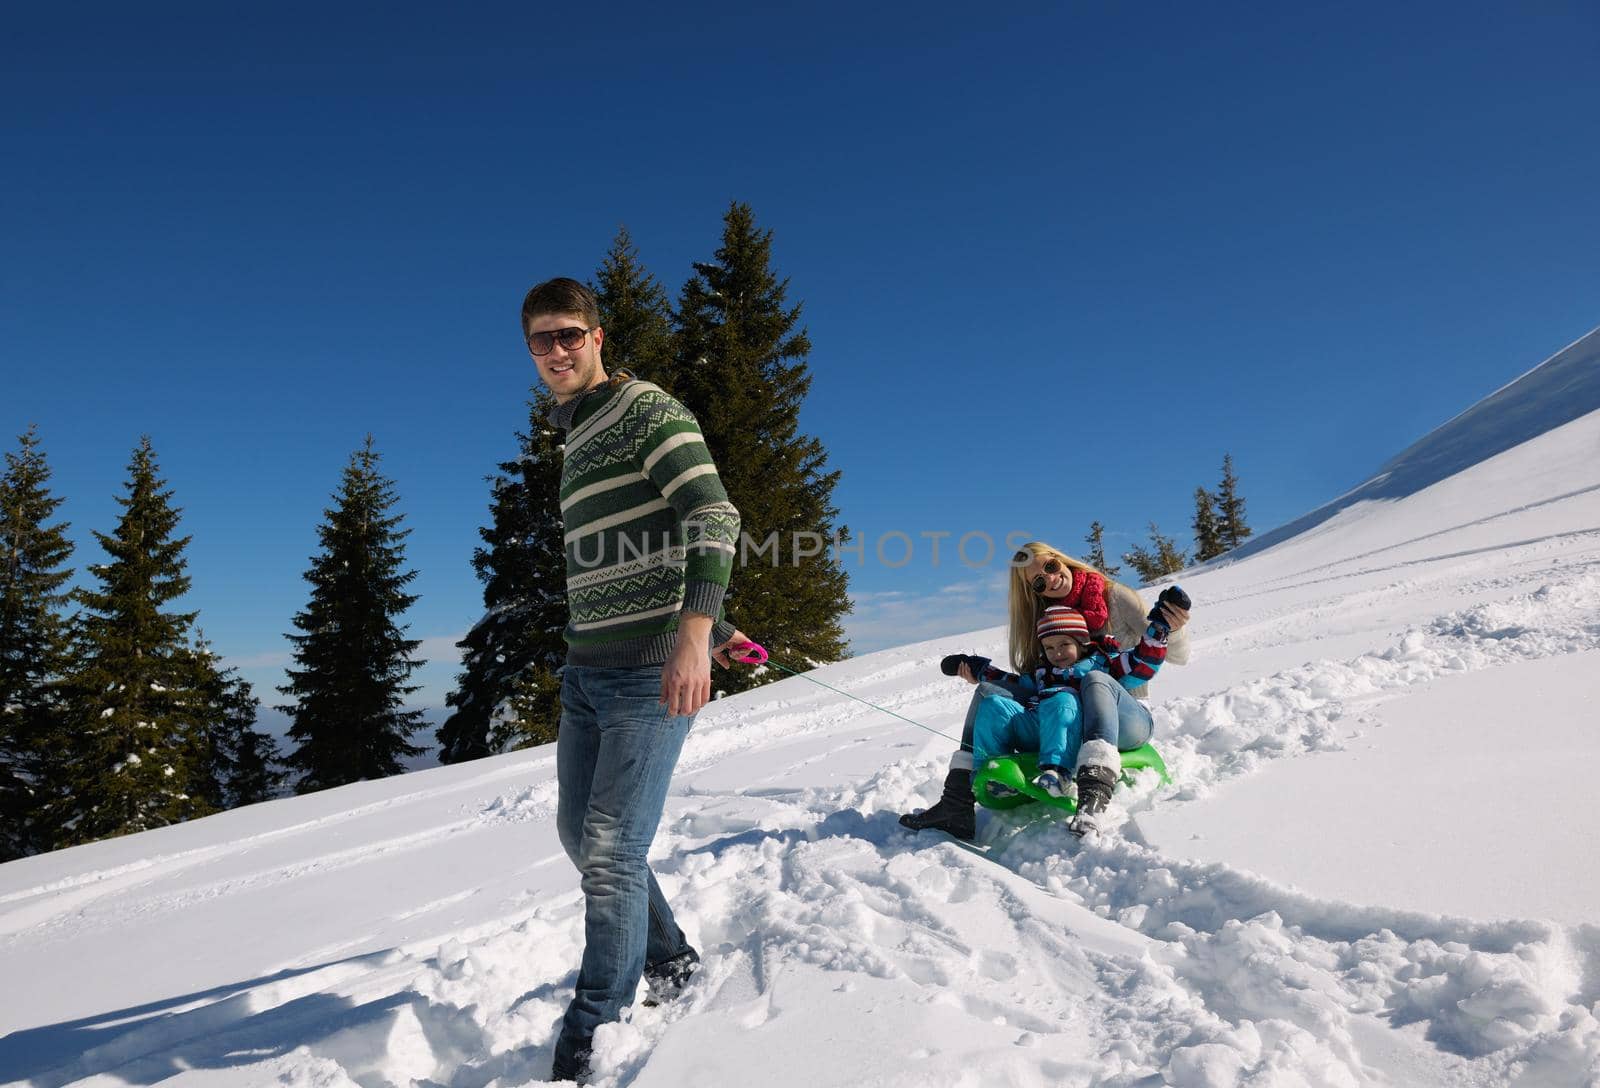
[[649, 530]]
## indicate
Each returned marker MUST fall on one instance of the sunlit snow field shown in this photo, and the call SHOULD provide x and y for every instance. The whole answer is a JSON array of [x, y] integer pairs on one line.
[[1376, 865]]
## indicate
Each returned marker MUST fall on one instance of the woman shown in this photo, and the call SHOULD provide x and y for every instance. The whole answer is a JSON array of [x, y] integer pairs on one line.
[[1042, 576]]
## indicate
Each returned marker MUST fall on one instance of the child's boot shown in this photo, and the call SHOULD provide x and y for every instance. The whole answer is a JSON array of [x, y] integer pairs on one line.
[[1054, 781]]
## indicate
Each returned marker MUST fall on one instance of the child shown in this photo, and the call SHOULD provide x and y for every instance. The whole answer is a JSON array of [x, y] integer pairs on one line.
[[1075, 702], [1126, 619]]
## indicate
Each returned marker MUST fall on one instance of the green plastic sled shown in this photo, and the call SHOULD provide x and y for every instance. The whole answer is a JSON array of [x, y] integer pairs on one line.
[[1017, 772]]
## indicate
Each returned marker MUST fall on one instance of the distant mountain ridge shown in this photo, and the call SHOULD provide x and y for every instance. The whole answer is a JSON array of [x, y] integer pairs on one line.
[[1559, 390]]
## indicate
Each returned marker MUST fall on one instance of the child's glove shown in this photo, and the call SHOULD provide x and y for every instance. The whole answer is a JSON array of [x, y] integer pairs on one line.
[[951, 666], [1177, 598]]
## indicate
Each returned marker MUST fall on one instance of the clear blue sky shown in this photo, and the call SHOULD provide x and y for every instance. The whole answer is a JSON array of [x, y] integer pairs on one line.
[[1055, 258]]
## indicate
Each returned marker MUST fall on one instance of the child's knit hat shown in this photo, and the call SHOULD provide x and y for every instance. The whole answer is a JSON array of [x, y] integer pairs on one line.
[[1058, 619]]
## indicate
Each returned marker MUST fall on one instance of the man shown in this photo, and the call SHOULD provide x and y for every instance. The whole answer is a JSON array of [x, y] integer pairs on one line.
[[650, 538]]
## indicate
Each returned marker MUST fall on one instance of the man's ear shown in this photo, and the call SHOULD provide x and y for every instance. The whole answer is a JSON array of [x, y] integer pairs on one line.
[[599, 338]]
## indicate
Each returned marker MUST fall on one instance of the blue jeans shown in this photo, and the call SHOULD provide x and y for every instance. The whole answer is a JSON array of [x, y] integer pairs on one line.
[[615, 753], [1111, 713]]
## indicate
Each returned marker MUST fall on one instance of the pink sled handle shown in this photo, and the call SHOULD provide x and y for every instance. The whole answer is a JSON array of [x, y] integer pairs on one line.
[[749, 653]]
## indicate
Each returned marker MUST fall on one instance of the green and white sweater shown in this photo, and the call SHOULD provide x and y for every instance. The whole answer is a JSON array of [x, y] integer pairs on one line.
[[649, 529]]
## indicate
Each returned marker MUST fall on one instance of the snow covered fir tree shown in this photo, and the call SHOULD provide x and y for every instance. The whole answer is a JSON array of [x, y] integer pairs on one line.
[[112, 720], [352, 657], [741, 369], [238, 764], [507, 694], [1157, 560], [133, 759], [1095, 556], [636, 314], [34, 647], [1207, 533], [1232, 529], [1219, 521]]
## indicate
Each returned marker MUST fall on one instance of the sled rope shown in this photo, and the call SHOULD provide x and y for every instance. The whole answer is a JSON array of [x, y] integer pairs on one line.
[[748, 656]]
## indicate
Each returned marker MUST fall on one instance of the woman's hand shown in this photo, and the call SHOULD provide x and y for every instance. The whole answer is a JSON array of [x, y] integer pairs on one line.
[[1176, 617], [966, 673]]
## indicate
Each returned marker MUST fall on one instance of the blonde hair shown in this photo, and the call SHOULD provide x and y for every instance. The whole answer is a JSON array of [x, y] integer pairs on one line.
[[1026, 606]]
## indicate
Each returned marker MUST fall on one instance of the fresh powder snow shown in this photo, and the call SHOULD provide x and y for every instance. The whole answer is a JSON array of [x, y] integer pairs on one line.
[[1375, 865]]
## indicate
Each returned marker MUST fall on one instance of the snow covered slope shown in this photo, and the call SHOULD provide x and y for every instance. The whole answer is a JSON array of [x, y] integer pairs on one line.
[[1376, 866], [1563, 388]]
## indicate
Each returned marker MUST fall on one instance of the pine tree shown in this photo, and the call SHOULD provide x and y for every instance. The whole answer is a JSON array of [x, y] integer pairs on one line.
[[1207, 533], [33, 648], [1144, 563], [258, 773], [531, 714], [636, 315], [133, 759], [1096, 556], [1230, 508], [741, 369], [1171, 557], [353, 657], [1161, 558], [237, 764], [517, 645]]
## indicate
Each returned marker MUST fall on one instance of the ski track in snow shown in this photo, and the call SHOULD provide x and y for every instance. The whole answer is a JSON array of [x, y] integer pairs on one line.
[[55, 897], [1165, 971]]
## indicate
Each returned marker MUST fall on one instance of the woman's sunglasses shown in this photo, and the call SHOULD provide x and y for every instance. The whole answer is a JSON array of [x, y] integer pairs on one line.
[[1051, 566]]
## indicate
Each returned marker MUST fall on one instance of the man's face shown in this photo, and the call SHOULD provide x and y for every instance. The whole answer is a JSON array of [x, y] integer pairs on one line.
[[568, 372]]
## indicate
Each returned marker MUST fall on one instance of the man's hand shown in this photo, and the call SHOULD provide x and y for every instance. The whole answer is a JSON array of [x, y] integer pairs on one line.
[[686, 677], [720, 654]]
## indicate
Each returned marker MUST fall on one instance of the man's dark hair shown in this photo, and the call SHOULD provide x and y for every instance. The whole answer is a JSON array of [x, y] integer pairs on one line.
[[560, 296]]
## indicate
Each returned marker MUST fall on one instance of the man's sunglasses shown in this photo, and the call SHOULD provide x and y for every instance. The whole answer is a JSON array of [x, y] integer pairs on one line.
[[571, 339]]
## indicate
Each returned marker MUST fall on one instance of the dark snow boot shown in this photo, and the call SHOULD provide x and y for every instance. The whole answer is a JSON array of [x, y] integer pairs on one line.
[[1095, 784], [953, 812], [573, 1067], [668, 978]]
